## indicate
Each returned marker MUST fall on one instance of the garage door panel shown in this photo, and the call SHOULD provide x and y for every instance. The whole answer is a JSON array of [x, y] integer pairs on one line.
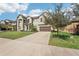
[[45, 28]]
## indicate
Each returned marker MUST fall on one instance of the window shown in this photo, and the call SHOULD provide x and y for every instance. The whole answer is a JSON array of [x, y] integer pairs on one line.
[[20, 19], [41, 19], [28, 20], [24, 21]]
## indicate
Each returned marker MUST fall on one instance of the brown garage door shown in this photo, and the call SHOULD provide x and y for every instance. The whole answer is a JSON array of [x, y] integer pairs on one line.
[[45, 28]]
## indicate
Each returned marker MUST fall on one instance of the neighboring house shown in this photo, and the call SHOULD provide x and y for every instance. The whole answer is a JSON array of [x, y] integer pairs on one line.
[[72, 27], [2, 22], [10, 22], [23, 23], [7, 24], [13, 23]]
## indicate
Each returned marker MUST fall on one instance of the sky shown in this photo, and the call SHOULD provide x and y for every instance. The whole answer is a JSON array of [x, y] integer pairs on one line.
[[12, 10]]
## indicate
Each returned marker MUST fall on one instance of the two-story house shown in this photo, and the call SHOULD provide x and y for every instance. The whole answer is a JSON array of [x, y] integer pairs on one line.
[[38, 21]]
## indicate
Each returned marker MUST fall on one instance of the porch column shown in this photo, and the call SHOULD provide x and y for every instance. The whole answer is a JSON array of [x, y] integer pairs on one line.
[[25, 28], [28, 28]]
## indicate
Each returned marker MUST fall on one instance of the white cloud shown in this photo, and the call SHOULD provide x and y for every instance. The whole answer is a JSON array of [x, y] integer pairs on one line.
[[35, 12], [50, 10], [69, 12], [24, 14], [12, 7]]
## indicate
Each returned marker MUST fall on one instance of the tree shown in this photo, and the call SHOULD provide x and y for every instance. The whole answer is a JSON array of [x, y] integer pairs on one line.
[[75, 9], [47, 17], [57, 18]]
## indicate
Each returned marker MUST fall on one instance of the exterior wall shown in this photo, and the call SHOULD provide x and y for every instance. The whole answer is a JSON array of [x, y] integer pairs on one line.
[[38, 28], [71, 28], [30, 19], [38, 22], [13, 23], [25, 28], [2, 22], [19, 23], [41, 19]]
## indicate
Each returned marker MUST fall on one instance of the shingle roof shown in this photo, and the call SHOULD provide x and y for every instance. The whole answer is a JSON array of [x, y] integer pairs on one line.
[[73, 21], [35, 17], [22, 16]]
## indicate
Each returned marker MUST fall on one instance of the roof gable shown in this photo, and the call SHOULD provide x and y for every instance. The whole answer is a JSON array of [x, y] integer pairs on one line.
[[22, 16]]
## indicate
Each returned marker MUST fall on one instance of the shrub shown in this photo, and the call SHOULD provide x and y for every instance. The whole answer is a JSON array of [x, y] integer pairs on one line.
[[61, 35], [32, 28]]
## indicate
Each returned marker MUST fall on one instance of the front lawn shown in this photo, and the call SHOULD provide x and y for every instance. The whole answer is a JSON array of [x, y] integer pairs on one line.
[[14, 34], [64, 40]]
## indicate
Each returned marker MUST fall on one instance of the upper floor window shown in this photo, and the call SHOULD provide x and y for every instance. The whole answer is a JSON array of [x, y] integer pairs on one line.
[[41, 19], [28, 20], [20, 20], [24, 21]]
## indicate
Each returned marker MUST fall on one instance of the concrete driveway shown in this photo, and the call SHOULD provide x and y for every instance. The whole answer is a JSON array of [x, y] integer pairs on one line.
[[33, 45]]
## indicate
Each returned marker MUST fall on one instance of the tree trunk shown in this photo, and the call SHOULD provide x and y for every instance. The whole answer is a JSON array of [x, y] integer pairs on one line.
[[57, 31]]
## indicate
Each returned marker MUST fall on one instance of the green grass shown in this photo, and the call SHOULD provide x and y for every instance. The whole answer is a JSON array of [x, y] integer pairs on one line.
[[64, 40], [14, 34]]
